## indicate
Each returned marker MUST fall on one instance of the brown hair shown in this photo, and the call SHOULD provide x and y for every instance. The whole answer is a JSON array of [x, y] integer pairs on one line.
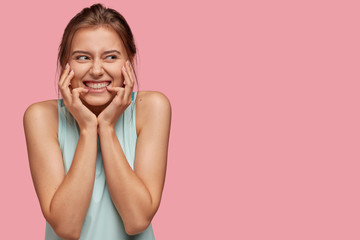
[[97, 16]]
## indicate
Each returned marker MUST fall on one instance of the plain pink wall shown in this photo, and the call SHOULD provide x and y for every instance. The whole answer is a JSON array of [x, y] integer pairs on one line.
[[266, 126]]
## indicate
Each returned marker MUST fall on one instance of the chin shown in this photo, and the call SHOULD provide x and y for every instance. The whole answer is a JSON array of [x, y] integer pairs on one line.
[[97, 100]]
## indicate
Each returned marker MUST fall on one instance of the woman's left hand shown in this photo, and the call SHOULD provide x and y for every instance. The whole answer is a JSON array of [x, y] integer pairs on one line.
[[109, 116]]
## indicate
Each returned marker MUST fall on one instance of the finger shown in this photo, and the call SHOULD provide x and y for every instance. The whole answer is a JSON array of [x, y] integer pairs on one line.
[[76, 94], [64, 87], [113, 89], [118, 90], [68, 78], [128, 87], [64, 74], [130, 71], [127, 80], [77, 91], [118, 99], [127, 94]]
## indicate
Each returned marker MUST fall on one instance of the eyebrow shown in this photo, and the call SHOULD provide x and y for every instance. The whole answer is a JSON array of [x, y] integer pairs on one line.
[[85, 52], [112, 51]]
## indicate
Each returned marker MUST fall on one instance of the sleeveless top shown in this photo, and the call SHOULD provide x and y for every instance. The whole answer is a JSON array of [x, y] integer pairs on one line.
[[102, 220]]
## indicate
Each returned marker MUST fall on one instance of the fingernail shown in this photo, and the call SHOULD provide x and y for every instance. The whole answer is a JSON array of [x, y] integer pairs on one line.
[[72, 71], [66, 66], [124, 68], [128, 63]]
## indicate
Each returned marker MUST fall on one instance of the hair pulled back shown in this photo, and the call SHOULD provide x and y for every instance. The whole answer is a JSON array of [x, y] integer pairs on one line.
[[97, 16]]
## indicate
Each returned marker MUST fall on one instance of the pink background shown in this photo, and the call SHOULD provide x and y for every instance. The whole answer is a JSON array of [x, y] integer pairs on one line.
[[266, 125]]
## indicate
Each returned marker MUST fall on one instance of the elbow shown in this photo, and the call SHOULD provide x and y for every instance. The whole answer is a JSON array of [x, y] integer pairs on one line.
[[64, 228], [67, 234], [137, 227]]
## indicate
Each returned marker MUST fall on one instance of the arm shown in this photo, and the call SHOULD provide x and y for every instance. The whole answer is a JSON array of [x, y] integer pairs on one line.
[[64, 199], [136, 194]]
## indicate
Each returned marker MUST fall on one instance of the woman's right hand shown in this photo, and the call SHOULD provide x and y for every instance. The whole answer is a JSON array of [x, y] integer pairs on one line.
[[71, 98]]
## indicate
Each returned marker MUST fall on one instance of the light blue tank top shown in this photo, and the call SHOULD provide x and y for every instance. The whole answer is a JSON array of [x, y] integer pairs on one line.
[[102, 220]]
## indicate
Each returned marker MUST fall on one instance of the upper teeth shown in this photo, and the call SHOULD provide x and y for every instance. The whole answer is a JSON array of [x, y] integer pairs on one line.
[[97, 85]]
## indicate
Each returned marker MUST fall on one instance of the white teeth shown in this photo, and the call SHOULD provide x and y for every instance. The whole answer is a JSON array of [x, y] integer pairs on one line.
[[97, 85]]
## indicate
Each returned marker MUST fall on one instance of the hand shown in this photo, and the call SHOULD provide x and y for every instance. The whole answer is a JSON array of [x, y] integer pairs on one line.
[[109, 116], [71, 97]]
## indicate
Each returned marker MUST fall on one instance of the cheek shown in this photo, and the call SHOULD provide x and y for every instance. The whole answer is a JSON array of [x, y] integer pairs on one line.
[[75, 81], [115, 72], [79, 72], [119, 75]]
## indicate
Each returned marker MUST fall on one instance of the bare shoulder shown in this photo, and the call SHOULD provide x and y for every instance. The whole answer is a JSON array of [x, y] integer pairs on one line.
[[150, 105], [152, 99], [42, 114]]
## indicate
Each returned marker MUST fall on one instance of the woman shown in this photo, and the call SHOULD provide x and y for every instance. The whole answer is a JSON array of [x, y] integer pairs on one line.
[[98, 156]]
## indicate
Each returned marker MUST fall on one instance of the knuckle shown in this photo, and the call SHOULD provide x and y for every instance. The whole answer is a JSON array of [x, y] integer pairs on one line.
[[120, 92]]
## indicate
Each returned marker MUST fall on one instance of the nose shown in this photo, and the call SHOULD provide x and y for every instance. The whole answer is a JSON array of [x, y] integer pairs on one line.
[[97, 69]]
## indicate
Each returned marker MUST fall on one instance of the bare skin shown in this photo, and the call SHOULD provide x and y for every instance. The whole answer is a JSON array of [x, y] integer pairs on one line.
[[138, 200]]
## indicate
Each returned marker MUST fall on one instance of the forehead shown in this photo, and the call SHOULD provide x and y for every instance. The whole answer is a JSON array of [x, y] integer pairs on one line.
[[97, 39]]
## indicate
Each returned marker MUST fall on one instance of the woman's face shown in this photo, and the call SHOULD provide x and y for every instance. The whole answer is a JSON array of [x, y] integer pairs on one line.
[[97, 56]]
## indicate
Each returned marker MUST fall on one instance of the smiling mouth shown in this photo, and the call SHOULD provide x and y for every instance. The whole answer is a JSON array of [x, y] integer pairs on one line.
[[96, 85]]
